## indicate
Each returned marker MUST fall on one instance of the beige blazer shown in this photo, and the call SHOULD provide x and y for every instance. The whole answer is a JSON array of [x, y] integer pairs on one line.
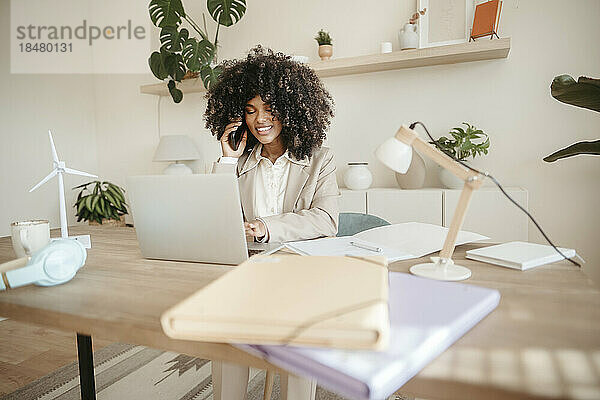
[[310, 203]]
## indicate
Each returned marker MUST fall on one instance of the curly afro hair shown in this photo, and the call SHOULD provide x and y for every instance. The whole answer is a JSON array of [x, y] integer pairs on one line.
[[296, 95]]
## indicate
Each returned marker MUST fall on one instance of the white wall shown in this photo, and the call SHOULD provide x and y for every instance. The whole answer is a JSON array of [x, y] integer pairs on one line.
[[509, 99], [29, 106]]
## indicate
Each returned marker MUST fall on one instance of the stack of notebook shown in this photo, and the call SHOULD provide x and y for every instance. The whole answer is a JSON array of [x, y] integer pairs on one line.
[[286, 308]]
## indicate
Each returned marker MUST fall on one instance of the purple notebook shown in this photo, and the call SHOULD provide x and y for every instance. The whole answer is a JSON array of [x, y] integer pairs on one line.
[[426, 317]]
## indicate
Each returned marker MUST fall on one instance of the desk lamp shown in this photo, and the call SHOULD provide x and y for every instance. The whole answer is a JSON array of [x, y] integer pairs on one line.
[[396, 154], [176, 148]]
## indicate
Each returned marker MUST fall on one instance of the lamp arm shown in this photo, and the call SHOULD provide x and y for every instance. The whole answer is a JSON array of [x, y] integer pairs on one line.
[[472, 180], [457, 220]]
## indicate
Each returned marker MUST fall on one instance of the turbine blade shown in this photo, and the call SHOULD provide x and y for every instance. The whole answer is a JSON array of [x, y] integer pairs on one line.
[[50, 176], [75, 172], [54, 155]]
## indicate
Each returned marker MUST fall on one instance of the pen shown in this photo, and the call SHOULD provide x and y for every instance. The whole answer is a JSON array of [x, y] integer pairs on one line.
[[366, 247]]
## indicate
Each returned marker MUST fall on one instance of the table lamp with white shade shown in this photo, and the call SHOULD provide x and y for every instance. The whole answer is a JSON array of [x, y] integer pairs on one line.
[[176, 148], [396, 154]]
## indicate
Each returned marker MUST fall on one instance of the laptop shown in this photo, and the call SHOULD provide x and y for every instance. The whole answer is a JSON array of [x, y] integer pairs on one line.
[[194, 217]]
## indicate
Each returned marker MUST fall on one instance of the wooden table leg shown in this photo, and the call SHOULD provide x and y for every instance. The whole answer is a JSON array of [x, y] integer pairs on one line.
[[296, 388], [269, 378], [85, 357]]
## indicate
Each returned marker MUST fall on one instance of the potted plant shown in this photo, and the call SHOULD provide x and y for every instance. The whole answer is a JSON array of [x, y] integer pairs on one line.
[[465, 143], [105, 203], [584, 93], [325, 47], [408, 36], [181, 56]]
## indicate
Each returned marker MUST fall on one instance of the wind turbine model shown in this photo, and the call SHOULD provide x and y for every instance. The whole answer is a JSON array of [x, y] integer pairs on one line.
[[59, 169]]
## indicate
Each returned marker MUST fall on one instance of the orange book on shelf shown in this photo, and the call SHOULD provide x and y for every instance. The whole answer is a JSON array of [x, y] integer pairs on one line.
[[486, 19]]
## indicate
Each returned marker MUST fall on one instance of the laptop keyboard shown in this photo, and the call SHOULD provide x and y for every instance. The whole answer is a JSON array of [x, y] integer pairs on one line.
[[252, 252]]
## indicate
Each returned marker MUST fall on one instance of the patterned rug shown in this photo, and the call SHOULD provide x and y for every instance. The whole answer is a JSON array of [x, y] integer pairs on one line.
[[140, 373]]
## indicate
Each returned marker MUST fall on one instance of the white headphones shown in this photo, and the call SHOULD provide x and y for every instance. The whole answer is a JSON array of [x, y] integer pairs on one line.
[[54, 264]]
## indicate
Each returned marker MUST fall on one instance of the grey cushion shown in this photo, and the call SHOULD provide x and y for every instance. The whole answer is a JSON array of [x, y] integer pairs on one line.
[[351, 223]]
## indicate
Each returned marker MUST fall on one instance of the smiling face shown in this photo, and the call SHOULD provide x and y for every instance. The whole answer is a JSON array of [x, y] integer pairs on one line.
[[261, 122]]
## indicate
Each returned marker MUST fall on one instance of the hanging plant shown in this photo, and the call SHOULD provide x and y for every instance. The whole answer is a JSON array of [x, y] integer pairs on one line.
[[181, 54]]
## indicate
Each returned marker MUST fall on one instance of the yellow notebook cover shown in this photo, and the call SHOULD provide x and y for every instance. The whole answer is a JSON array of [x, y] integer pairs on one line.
[[339, 302]]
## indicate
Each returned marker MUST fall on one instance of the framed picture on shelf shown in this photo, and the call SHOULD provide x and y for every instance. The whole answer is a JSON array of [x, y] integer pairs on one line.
[[445, 22]]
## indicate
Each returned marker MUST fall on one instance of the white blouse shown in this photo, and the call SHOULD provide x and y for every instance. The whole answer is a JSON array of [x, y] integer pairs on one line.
[[271, 182]]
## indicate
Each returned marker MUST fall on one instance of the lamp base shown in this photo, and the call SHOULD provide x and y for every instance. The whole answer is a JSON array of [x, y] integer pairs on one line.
[[441, 271], [177, 169]]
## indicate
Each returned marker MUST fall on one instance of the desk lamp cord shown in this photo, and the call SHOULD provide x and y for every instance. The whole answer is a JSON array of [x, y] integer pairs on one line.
[[487, 174]]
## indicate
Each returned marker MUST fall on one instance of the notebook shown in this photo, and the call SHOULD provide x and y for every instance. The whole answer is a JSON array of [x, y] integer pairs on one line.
[[395, 242], [426, 317], [519, 255], [339, 302]]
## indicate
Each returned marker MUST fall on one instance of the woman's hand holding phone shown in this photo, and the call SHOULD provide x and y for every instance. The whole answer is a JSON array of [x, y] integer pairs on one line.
[[226, 148]]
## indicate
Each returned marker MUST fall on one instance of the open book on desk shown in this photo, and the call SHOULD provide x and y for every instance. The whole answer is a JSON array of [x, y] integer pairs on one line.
[[395, 242]]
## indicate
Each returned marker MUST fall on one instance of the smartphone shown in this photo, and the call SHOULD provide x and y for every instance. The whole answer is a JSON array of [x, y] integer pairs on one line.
[[235, 137]]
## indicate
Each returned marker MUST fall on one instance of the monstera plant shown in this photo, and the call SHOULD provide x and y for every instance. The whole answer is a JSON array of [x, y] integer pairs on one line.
[[584, 93], [182, 54]]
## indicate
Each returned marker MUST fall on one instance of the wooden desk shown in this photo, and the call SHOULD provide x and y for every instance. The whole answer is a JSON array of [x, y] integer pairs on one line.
[[543, 340]]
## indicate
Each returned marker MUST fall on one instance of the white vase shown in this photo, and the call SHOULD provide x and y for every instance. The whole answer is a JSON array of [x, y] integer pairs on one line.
[[408, 37], [357, 176], [450, 180]]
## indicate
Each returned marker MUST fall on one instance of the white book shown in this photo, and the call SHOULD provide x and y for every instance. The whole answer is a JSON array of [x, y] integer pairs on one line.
[[519, 255], [395, 242]]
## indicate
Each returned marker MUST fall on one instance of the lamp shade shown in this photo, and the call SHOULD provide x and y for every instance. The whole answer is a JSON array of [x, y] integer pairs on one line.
[[395, 154], [176, 148]]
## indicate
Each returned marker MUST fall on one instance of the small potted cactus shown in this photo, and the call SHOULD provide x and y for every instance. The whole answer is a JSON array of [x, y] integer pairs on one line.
[[325, 47]]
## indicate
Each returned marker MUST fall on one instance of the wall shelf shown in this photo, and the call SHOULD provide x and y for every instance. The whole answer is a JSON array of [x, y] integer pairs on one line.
[[440, 55]]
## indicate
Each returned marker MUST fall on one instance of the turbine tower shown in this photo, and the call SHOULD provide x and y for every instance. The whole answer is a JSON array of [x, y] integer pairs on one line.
[[60, 169]]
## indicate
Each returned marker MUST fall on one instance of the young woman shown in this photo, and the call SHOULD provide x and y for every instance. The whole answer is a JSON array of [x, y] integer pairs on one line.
[[286, 178]]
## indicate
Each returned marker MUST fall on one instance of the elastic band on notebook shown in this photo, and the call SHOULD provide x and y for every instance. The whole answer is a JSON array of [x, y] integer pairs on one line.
[[330, 315]]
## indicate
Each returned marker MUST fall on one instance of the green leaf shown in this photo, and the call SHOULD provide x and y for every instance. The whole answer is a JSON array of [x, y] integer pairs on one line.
[[82, 185], [172, 39], [166, 12], [116, 192], [88, 202], [592, 147], [585, 93], [110, 198], [81, 205], [176, 94], [175, 66], [196, 53], [210, 76], [157, 66], [102, 206], [94, 202], [226, 12]]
